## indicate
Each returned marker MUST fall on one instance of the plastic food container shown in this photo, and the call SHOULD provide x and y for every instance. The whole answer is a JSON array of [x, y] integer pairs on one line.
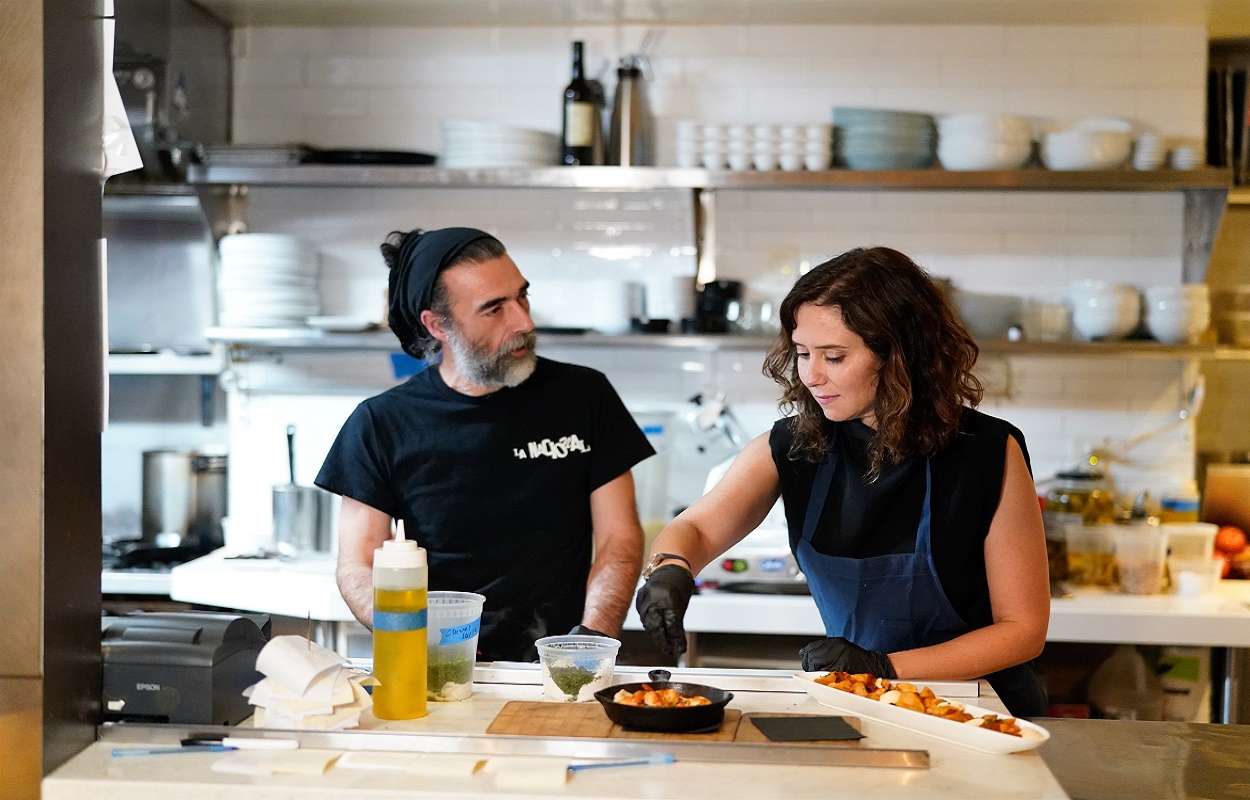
[[1140, 553], [454, 621], [575, 667], [1190, 540], [1091, 555], [1194, 576]]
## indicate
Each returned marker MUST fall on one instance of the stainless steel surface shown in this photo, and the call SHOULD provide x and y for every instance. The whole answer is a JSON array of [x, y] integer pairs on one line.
[[1215, 180], [302, 519], [184, 494], [160, 275], [311, 339], [1113, 760], [492, 745], [146, 581]]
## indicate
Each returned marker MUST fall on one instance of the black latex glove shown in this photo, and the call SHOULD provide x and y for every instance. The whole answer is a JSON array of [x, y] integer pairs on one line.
[[840, 655], [661, 605], [582, 630]]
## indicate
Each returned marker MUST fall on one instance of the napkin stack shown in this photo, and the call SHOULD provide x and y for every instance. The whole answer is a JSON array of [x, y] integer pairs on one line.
[[307, 687]]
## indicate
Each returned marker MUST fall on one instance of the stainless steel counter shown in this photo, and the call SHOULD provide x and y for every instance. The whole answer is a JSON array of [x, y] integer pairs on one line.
[[1113, 760]]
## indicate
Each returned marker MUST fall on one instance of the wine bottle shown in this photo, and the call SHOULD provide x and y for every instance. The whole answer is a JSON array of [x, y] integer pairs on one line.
[[583, 124]]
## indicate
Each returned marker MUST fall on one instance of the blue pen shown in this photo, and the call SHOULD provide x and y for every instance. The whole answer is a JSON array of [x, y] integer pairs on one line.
[[161, 751], [655, 758]]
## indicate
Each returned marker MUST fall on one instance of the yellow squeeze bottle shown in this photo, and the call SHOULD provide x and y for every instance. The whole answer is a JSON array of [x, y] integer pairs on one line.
[[400, 583]]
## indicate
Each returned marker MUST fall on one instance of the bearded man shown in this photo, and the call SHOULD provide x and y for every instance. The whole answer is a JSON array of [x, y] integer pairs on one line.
[[511, 470]]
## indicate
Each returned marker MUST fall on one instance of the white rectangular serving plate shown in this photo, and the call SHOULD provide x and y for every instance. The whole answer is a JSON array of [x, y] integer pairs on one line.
[[969, 736]]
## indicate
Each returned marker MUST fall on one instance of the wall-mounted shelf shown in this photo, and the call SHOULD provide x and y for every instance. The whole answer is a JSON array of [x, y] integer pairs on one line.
[[164, 364], [651, 178], [313, 340]]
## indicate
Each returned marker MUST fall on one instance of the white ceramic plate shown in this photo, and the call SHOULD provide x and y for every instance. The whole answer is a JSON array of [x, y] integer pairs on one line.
[[341, 324], [946, 730]]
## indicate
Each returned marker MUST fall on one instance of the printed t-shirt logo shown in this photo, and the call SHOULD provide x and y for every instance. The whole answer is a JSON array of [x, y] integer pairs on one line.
[[552, 448]]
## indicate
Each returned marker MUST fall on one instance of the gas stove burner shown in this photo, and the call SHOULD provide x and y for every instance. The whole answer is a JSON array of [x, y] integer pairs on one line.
[[126, 555]]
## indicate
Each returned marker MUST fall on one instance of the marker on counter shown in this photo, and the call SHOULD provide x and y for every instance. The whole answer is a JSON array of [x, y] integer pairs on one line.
[[655, 758], [210, 745]]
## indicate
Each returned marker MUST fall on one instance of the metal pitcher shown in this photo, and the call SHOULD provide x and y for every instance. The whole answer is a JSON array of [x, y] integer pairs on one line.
[[630, 135], [184, 498]]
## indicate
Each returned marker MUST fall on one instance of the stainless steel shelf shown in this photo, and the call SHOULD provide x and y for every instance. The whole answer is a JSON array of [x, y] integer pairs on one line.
[[314, 340], [163, 364], [651, 178]]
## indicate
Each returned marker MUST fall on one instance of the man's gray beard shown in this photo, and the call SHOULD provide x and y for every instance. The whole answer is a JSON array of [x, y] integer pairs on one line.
[[493, 370]]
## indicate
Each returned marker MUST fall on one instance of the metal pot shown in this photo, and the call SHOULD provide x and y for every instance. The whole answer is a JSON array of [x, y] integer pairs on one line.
[[184, 498], [303, 519], [647, 718]]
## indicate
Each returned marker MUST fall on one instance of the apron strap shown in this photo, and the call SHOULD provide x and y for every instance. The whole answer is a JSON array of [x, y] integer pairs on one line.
[[820, 492]]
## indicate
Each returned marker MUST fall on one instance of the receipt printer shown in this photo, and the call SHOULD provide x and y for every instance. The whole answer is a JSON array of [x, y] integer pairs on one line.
[[183, 667]]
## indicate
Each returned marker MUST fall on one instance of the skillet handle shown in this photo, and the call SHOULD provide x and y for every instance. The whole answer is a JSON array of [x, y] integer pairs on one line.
[[660, 675]]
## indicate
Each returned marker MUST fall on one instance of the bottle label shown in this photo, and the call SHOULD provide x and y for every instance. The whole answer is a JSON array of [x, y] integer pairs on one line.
[[395, 621], [579, 122], [459, 633]]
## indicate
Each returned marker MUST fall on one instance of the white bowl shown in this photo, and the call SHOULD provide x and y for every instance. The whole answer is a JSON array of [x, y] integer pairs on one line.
[[1004, 127], [1191, 292], [739, 161], [974, 153], [1101, 293], [790, 162], [1182, 326], [764, 160], [817, 163], [1112, 324], [1081, 149]]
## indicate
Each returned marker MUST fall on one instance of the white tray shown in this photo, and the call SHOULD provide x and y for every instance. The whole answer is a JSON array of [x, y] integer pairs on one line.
[[970, 736]]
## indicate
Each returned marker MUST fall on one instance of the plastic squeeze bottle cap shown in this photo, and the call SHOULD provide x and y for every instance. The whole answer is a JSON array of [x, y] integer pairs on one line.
[[400, 552]]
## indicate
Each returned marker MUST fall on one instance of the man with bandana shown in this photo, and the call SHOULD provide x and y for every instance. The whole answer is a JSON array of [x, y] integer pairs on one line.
[[511, 470]]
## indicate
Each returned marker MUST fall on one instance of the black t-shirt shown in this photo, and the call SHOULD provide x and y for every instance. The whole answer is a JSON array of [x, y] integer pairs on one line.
[[863, 520], [495, 488]]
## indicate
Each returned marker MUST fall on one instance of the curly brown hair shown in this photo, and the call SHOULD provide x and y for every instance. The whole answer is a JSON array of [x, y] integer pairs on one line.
[[926, 355]]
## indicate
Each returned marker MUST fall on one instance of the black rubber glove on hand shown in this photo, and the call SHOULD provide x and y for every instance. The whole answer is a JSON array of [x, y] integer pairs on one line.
[[661, 604], [582, 630], [840, 655]]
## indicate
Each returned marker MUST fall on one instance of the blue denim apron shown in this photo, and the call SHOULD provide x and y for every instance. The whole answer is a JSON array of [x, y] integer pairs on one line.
[[887, 603], [896, 602]]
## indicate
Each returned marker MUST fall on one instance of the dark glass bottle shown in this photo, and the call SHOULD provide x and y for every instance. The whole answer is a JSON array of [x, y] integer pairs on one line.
[[583, 122]]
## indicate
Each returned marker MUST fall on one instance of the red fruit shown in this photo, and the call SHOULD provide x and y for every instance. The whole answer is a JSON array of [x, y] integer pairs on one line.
[[1230, 539]]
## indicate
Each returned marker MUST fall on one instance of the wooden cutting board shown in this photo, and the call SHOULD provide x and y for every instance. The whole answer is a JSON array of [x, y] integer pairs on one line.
[[525, 718]]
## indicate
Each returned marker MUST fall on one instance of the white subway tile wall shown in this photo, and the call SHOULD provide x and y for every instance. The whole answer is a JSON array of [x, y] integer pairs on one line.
[[391, 88]]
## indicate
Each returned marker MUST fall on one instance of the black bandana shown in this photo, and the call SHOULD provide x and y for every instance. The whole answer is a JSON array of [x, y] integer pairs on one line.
[[422, 257]]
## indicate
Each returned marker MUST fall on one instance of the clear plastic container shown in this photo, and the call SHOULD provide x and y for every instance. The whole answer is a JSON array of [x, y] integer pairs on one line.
[[1091, 555], [1191, 539], [1192, 577], [575, 667], [454, 621], [1140, 553]]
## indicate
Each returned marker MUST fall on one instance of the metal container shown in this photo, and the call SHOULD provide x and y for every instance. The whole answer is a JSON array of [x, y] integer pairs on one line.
[[630, 133], [303, 519], [184, 498]]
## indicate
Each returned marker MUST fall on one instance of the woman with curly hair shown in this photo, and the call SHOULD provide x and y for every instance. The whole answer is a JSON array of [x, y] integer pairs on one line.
[[913, 516]]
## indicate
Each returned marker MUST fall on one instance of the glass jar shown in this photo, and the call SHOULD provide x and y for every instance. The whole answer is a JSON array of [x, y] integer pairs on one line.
[[1075, 498]]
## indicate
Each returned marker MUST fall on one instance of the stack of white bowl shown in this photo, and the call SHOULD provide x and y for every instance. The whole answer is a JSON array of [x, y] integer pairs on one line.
[[873, 138], [1104, 311], [266, 280], [1178, 314], [1149, 151], [469, 144], [1095, 143], [1185, 157], [984, 141]]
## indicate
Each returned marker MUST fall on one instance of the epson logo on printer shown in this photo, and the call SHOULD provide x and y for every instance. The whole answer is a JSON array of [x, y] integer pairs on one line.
[[148, 687]]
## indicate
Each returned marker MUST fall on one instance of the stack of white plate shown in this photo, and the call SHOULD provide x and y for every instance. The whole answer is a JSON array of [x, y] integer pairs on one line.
[[468, 144], [873, 138], [266, 280]]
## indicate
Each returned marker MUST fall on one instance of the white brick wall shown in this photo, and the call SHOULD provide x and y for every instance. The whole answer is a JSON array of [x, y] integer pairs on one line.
[[389, 88]]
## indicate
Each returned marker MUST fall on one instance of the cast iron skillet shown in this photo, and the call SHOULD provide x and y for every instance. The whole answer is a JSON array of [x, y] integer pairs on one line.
[[646, 718]]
